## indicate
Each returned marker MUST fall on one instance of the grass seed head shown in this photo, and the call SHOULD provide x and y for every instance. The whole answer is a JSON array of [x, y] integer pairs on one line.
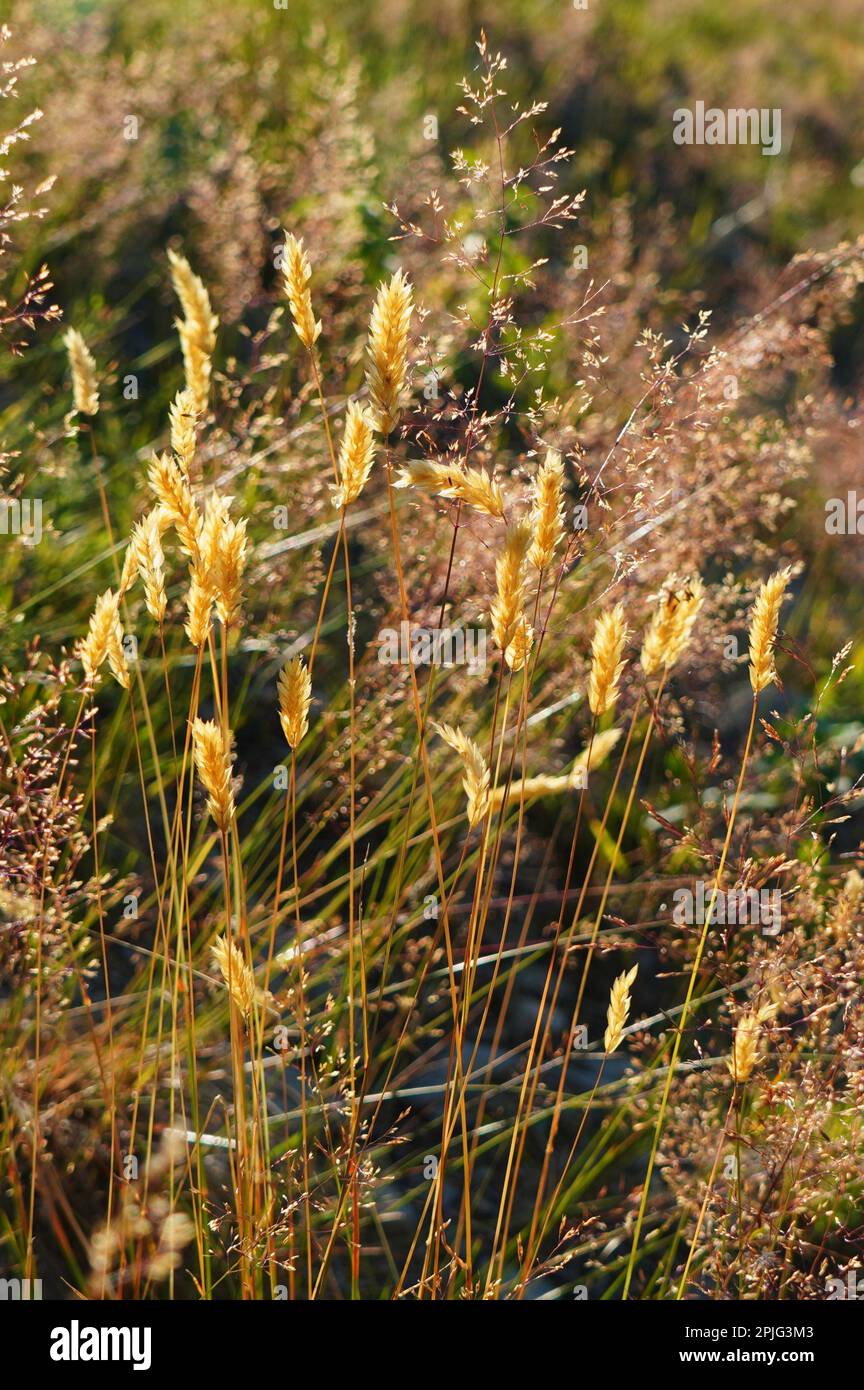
[[295, 697], [476, 774], [213, 761], [672, 624], [355, 455], [85, 389], [763, 629], [610, 634], [547, 513], [619, 1008], [235, 971], [387, 371], [296, 273]]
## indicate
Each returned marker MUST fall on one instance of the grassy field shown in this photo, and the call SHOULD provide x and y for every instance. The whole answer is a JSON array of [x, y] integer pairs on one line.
[[430, 709]]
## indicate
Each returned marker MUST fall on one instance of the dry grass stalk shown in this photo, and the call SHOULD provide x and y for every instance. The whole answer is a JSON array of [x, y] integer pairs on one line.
[[147, 543], [197, 329], [199, 605], [171, 489], [235, 972], [213, 761], [104, 641], [607, 666], [763, 629], [547, 513], [745, 1046], [510, 577], [518, 649], [297, 273], [295, 697], [183, 418], [619, 1009], [387, 372], [85, 389], [546, 784], [672, 623], [355, 455], [473, 486], [476, 774], [225, 548]]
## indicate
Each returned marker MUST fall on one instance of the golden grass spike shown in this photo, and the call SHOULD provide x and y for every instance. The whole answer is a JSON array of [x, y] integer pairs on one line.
[[607, 646], [387, 371], [183, 418], [619, 1008], [199, 605], [547, 784], [745, 1046], [473, 486], [197, 329], [476, 773], [228, 564], [518, 649], [173, 493], [355, 455], [129, 573], [595, 753], [213, 761], [510, 576], [763, 629], [235, 971], [672, 624], [85, 388], [151, 561], [547, 513], [103, 636], [297, 273], [295, 697]]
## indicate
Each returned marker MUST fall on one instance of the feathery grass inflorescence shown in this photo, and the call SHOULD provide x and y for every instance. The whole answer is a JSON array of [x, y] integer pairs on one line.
[[235, 971], [476, 774], [387, 372], [85, 389], [171, 489], [197, 329], [104, 641], [518, 649], [745, 1046], [507, 606], [546, 784], [672, 623], [224, 550], [473, 486], [183, 417], [547, 512], [129, 572], [297, 273], [295, 697], [213, 761], [147, 542], [763, 629], [619, 1009], [607, 666], [355, 455], [199, 605]]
